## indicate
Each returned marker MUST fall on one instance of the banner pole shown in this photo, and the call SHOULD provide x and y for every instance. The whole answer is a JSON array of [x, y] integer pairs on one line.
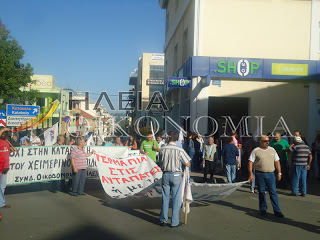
[[186, 212]]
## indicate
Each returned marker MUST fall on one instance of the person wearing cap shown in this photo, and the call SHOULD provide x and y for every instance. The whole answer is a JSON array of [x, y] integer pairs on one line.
[[302, 159], [265, 161]]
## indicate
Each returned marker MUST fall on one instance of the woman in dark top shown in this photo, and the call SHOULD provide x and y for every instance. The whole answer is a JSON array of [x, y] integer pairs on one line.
[[131, 143]]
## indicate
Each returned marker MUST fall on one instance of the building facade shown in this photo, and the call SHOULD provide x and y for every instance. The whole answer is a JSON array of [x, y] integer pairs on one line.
[[244, 58], [48, 92], [147, 79]]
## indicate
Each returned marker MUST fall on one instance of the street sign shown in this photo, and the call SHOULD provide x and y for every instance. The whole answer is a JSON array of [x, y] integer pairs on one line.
[[2, 114], [67, 119], [22, 110], [159, 82], [16, 121], [2, 122]]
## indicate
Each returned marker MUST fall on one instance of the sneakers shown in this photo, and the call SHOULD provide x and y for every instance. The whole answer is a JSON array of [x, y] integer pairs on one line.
[[279, 214], [176, 226], [252, 191], [163, 224]]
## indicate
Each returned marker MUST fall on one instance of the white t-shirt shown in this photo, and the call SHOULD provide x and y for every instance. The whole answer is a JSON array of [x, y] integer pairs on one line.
[[252, 157], [264, 159], [35, 141]]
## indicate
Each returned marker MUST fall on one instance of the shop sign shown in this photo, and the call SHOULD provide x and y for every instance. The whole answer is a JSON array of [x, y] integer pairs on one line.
[[289, 69], [236, 67], [179, 82]]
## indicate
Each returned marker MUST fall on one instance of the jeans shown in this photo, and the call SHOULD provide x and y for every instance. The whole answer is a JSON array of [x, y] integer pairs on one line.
[[299, 175], [253, 183], [171, 182], [78, 181], [3, 184], [269, 180], [231, 171]]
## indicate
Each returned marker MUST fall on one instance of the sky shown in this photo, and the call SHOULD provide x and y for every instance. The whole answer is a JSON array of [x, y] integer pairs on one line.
[[86, 45]]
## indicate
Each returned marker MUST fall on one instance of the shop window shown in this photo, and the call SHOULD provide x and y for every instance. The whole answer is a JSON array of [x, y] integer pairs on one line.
[[175, 64], [156, 72], [185, 45]]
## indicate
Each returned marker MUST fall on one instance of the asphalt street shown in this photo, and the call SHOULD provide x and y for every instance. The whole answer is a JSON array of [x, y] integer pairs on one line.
[[37, 213]]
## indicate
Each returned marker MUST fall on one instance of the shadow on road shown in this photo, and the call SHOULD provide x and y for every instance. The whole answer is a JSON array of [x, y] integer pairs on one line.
[[87, 232], [271, 218], [31, 187]]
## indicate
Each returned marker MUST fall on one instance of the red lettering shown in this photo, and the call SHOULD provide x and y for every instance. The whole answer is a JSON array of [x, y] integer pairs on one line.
[[132, 170], [116, 162], [147, 173], [111, 171], [124, 180], [131, 178], [104, 180], [152, 172], [104, 159], [110, 180], [120, 170], [142, 176], [110, 160], [122, 163], [130, 160], [98, 157], [127, 171], [139, 160], [158, 168], [143, 159], [117, 179]]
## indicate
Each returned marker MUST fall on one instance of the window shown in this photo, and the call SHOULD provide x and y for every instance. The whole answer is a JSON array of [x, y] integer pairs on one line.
[[185, 45], [167, 22], [177, 5], [156, 72], [319, 37], [175, 63]]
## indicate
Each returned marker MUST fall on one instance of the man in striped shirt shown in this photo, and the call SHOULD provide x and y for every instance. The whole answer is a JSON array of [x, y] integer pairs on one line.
[[302, 158], [170, 161], [79, 165]]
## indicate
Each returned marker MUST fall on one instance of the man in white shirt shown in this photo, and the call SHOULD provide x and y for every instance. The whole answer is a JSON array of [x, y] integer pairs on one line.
[[35, 140], [266, 160]]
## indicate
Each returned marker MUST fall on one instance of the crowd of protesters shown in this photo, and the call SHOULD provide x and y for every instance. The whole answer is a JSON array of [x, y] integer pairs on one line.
[[228, 156]]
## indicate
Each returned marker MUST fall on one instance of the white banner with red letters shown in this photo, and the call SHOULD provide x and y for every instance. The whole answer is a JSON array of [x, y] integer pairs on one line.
[[45, 163], [121, 178]]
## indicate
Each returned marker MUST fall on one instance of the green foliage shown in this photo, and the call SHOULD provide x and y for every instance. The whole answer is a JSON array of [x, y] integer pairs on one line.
[[13, 74]]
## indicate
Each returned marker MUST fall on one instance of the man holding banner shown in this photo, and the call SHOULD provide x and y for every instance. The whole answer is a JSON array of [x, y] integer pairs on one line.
[[171, 160], [150, 147]]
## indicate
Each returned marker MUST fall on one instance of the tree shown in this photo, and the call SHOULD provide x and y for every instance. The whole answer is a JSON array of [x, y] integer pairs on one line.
[[13, 74]]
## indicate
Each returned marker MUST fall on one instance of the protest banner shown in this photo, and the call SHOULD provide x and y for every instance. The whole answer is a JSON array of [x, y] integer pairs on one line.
[[200, 191], [132, 153], [45, 163], [121, 178]]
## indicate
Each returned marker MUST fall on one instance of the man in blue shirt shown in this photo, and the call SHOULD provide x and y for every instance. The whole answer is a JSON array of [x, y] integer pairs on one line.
[[23, 138], [230, 155]]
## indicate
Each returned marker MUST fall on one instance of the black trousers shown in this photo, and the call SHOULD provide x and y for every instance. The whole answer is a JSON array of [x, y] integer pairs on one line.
[[209, 168]]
